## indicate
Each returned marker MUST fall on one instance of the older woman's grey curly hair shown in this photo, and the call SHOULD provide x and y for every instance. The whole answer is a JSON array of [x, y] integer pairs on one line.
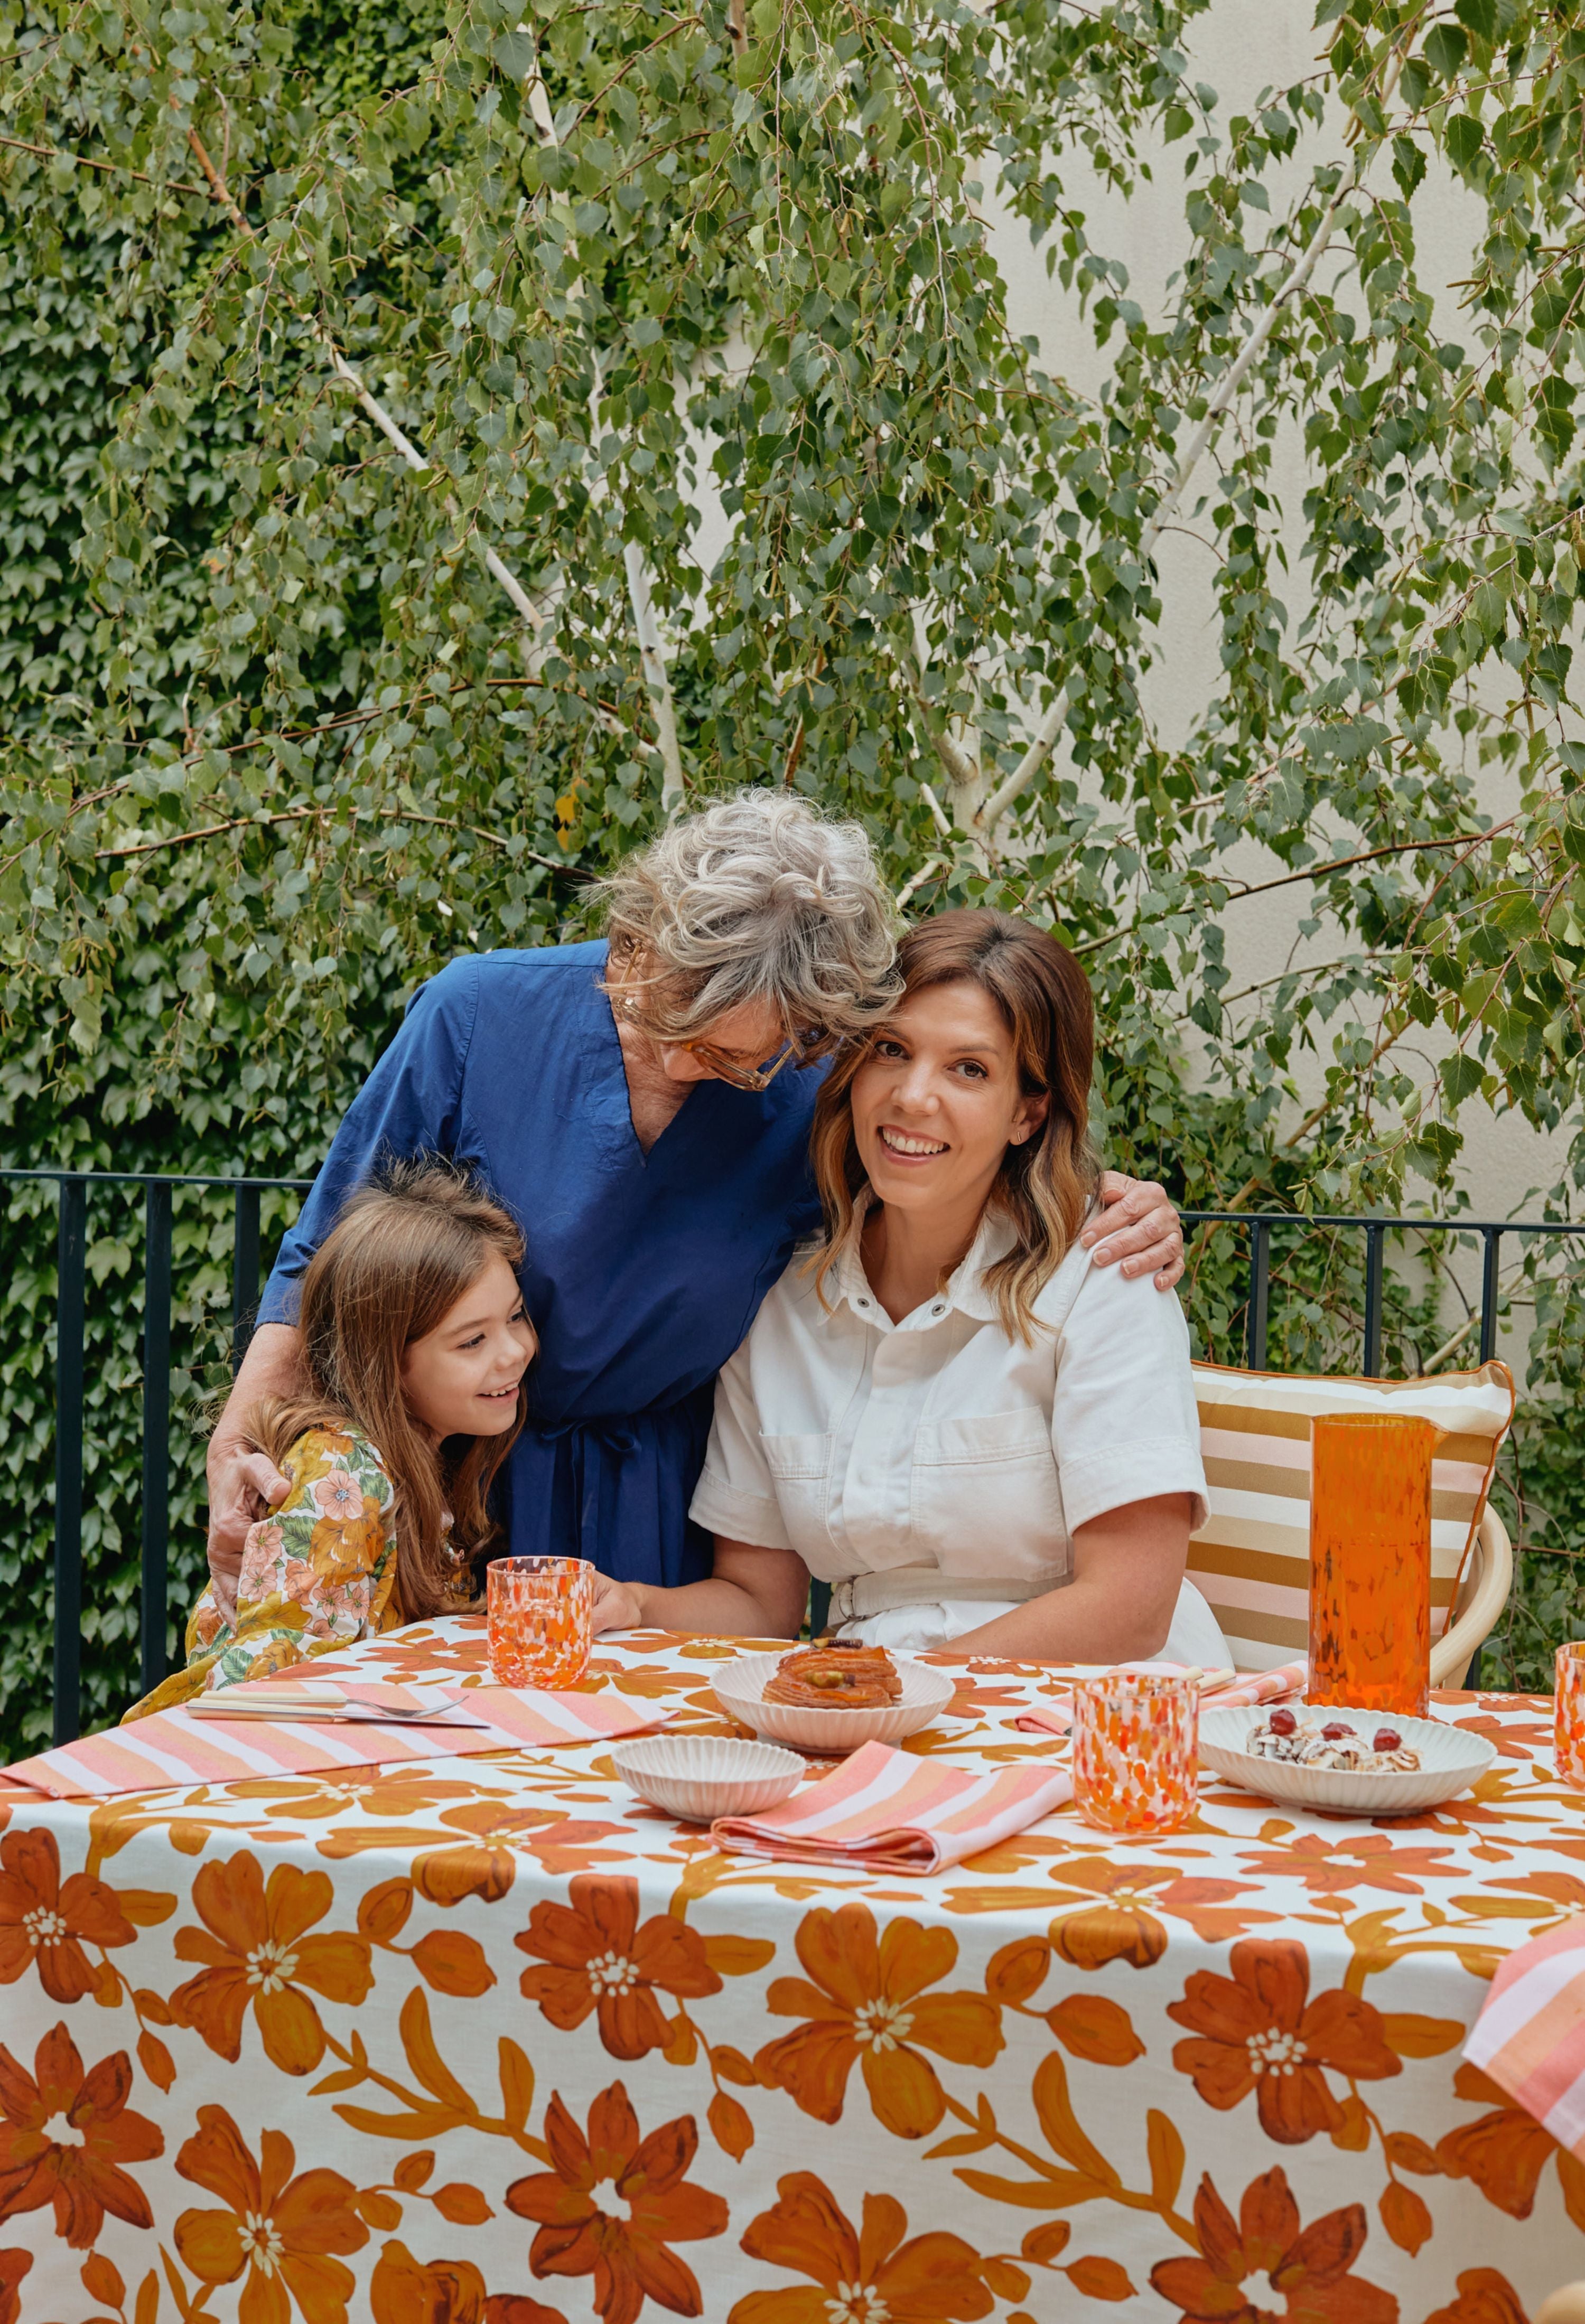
[[757, 898]]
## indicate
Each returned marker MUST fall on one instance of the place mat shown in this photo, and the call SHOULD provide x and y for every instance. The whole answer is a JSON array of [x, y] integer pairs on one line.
[[1530, 2035], [890, 1811], [1224, 1693], [172, 1749]]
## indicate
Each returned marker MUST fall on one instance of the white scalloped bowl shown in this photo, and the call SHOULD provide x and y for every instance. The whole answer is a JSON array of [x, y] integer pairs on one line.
[[698, 1777], [829, 1734], [1451, 1760]]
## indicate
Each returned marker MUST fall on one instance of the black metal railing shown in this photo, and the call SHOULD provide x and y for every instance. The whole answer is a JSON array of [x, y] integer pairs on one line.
[[70, 1320], [1259, 1224], [74, 1187]]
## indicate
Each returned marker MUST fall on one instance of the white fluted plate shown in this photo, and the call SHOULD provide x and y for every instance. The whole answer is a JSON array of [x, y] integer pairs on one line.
[[740, 1690], [1451, 1760], [698, 1777]]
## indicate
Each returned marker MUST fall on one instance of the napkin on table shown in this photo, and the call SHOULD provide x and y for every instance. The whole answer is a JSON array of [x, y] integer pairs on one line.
[[174, 1750], [1530, 2035], [890, 1811], [1224, 1690]]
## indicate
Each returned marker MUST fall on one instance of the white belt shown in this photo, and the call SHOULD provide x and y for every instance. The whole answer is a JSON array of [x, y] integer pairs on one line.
[[855, 1599]]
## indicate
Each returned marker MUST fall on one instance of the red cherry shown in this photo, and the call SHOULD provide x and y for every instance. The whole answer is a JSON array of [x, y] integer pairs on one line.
[[1337, 1732], [1387, 1739], [1282, 1722]]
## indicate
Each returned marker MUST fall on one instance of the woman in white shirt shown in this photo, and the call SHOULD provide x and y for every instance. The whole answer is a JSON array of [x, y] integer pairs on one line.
[[945, 1410]]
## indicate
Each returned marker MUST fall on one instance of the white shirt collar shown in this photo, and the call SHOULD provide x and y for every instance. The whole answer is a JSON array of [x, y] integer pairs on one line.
[[964, 1293]]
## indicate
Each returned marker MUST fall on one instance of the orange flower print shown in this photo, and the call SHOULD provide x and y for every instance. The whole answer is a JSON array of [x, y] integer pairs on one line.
[[14, 2266], [1309, 2269], [1257, 2031], [865, 2276], [48, 1920], [1378, 1862], [598, 1958], [281, 2229], [868, 2002], [579, 2208], [80, 2173], [1504, 2153], [404, 2290], [256, 1952]]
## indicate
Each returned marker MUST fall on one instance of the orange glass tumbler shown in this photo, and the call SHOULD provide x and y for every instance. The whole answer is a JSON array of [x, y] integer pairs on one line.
[[1570, 1756], [1370, 1562], [1136, 1750], [539, 1619]]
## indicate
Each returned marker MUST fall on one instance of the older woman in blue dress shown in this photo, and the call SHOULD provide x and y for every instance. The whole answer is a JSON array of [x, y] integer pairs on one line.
[[643, 1108], [943, 1409]]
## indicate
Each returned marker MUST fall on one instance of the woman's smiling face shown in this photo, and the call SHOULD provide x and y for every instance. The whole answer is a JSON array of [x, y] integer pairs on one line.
[[938, 1100]]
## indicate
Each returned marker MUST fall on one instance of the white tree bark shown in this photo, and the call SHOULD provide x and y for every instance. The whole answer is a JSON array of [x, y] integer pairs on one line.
[[653, 655]]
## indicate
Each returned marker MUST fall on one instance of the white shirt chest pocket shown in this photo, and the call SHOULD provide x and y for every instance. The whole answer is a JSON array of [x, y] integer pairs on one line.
[[801, 1472], [985, 1498]]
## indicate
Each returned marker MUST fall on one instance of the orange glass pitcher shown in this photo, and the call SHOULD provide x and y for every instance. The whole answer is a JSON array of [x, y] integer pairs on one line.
[[1370, 1562]]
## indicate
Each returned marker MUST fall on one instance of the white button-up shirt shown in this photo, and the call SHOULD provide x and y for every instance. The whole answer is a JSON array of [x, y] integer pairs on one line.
[[940, 1443]]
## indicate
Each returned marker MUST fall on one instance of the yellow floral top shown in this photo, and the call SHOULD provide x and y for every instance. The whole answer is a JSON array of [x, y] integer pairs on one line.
[[317, 1573]]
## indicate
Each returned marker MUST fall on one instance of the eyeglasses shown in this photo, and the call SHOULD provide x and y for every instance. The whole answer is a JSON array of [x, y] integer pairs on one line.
[[732, 1070], [737, 1076]]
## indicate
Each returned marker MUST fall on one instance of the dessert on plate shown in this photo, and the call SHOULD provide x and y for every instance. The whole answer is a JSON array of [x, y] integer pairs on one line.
[[836, 1676], [1310, 1743]]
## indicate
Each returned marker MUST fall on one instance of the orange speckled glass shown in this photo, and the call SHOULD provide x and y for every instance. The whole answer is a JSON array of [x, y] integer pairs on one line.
[[1370, 1562], [539, 1619], [1569, 1758], [1136, 1751]]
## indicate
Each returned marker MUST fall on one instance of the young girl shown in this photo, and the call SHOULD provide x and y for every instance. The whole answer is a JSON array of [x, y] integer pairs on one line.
[[414, 1347]]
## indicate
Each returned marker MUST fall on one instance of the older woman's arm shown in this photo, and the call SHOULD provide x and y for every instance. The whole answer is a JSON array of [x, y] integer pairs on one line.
[[752, 1593], [1127, 1569]]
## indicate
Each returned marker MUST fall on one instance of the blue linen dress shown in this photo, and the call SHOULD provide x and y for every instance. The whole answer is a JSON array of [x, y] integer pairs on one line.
[[642, 1272]]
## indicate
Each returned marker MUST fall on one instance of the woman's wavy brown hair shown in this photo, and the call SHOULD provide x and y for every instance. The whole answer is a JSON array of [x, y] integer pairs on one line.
[[405, 1250], [1045, 1185]]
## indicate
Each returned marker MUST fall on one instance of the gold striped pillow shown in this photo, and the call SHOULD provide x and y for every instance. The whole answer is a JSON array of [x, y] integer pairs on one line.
[[1251, 1558]]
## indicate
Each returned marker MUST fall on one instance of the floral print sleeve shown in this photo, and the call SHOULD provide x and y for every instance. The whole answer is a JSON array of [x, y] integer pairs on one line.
[[317, 1575]]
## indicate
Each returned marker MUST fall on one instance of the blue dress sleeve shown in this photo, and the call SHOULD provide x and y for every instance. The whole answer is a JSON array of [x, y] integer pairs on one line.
[[411, 1104]]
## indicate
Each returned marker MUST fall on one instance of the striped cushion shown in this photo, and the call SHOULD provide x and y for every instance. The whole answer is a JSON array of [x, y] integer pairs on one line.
[[1251, 1558]]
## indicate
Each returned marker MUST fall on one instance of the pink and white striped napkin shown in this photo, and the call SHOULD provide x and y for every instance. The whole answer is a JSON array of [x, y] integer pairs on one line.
[[890, 1811], [1225, 1690], [174, 1750], [1530, 2035]]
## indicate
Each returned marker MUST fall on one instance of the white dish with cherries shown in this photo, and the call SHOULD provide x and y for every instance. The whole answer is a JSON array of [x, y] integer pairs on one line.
[[1341, 1762]]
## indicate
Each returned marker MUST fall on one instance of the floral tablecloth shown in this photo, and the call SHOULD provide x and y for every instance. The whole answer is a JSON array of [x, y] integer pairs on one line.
[[492, 2043]]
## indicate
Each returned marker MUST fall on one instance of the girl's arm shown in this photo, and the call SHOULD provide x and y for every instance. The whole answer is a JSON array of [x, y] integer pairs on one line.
[[1127, 1569], [752, 1593]]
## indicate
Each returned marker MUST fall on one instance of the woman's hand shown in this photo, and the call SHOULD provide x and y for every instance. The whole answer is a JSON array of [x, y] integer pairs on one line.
[[1139, 1226], [617, 1606], [245, 1485]]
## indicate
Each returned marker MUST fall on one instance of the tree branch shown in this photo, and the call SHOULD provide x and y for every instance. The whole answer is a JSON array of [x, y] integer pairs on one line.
[[112, 168], [651, 654]]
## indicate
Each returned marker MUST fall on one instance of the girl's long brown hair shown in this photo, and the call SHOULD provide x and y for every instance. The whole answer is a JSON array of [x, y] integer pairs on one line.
[[403, 1252], [1045, 1185]]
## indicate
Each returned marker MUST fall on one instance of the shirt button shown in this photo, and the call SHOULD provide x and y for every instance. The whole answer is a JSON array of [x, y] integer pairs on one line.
[[939, 1310], [863, 1302]]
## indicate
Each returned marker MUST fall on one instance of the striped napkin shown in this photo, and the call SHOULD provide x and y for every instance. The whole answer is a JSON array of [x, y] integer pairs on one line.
[[173, 1749], [1530, 2035], [1227, 1689], [889, 1812]]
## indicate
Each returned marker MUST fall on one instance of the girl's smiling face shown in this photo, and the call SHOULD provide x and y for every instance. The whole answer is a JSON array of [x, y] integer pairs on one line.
[[462, 1379], [939, 1100]]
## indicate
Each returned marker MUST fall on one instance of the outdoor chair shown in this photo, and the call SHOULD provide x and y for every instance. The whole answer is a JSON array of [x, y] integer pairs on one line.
[[1251, 1558]]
